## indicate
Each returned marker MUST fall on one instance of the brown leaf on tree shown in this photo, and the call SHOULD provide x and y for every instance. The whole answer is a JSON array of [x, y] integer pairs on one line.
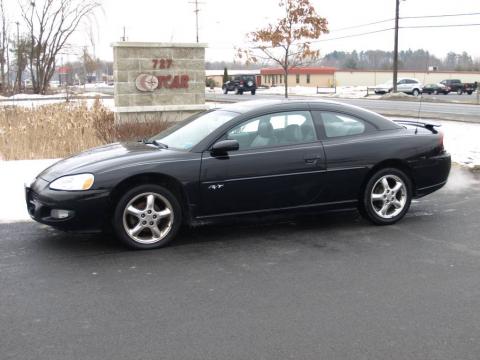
[[288, 41]]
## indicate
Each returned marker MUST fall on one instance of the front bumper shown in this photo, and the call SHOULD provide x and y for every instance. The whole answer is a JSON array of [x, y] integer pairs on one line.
[[88, 210]]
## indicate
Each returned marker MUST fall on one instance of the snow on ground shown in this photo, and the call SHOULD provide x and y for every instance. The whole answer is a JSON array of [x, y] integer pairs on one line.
[[34, 100], [461, 140], [14, 174], [341, 91]]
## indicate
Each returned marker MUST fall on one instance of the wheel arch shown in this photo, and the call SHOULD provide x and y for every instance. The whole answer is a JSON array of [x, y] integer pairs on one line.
[[169, 182], [389, 163]]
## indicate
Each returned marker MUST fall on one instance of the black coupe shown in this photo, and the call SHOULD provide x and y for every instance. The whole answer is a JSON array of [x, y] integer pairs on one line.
[[244, 158]]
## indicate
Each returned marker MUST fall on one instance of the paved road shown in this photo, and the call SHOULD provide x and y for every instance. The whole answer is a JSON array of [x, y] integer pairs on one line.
[[445, 111], [329, 287]]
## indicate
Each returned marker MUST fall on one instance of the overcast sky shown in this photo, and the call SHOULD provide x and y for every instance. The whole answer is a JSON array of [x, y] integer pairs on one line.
[[224, 23]]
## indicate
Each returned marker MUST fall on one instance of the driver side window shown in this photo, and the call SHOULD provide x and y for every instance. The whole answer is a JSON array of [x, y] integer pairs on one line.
[[279, 129]]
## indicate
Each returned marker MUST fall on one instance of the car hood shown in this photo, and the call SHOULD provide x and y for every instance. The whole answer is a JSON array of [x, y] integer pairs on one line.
[[108, 157]]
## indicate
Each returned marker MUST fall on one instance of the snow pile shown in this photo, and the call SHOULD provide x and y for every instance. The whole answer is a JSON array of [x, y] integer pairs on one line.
[[398, 96], [350, 92]]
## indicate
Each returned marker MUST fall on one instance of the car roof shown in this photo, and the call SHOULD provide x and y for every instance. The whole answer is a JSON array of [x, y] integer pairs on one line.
[[257, 106], [243, 107]]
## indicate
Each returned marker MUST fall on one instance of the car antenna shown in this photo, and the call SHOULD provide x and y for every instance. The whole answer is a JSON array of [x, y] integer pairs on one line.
[[421, 97]]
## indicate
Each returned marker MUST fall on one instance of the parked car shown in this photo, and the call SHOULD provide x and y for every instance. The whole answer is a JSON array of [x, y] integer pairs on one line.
[[405, 85], [435, 89], [455, 85], [240, 84], [246, 158]]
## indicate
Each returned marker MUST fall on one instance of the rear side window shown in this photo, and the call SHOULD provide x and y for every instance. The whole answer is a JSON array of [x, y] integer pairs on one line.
[[339, 125]]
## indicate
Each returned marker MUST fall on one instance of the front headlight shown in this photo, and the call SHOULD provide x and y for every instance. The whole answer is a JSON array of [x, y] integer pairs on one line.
[[73, 182]]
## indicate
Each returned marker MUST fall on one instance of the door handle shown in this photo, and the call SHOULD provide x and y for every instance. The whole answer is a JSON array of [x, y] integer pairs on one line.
[[312, 158]]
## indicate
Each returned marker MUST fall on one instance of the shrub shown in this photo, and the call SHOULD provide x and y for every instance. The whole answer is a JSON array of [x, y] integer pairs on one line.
[[60, 130]]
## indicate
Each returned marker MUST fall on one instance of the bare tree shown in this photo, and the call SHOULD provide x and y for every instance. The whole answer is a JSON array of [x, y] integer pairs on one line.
[[50, 23], [90, 64], [288, 41], [21, 51]]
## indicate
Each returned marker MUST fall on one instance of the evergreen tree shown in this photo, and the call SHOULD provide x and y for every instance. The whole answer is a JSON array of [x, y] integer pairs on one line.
[[225, 75]]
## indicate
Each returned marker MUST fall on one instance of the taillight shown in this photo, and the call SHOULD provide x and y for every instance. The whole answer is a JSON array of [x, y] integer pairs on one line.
[[440, 140]]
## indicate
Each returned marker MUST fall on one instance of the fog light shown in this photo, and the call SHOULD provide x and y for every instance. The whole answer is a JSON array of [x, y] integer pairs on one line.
[[59, 214]]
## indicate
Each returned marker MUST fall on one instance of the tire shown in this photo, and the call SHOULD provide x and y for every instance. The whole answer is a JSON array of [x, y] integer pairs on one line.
[[459, 92], [384, 206], [237, 91], [225, 90], [158, 223], [469, 92], [415, 92], [253, 92]]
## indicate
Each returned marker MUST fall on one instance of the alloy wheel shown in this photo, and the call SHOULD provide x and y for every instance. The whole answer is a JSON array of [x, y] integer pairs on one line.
[[148, 218], [388, 196]]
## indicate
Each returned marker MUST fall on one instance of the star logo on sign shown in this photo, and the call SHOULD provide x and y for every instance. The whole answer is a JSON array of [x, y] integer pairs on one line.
[[146, 82]]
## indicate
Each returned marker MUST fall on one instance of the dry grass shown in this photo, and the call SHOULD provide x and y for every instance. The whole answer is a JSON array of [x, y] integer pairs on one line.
[[60, 130]]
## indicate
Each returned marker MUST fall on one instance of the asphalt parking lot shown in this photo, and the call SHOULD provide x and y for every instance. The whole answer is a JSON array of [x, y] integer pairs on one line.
[[304, 287]]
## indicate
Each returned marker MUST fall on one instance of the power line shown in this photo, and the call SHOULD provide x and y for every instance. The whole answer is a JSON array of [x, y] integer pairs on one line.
[[352, 35], [437, 26], [404, 17], [361, 25], [440, 16]]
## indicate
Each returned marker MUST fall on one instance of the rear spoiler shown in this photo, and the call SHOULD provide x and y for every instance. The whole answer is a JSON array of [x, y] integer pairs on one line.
[[420, 123]]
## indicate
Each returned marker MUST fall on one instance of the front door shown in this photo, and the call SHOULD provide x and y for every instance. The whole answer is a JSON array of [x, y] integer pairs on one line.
[[280, 164]]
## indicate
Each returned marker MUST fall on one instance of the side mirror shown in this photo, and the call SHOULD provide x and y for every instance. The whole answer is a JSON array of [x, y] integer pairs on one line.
[[224, 146]]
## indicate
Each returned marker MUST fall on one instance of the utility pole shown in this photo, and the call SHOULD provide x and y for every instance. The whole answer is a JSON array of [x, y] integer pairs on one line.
[[124, 37], [19, 74], [196, 11], [395, 48]]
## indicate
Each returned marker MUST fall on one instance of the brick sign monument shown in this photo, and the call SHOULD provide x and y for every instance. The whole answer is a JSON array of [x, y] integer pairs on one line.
[[158, 81]]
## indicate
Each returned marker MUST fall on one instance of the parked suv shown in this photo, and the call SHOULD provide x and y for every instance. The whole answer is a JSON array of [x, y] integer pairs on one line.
[[406, 85], [240, 84]]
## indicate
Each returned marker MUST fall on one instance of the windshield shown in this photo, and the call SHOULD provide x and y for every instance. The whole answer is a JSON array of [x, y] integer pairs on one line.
[[187, 135]]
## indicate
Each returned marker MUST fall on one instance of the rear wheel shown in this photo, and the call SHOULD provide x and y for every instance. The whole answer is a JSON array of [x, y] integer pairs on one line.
[[253, 92], [147, 217], [387, 196], [469, 92]]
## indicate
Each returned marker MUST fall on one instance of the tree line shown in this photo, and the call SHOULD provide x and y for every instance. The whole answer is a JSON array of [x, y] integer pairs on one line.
[[419, 60]]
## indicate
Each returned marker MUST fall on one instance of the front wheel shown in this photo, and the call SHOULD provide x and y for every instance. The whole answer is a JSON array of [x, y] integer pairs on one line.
[[416, 92], [387, 196], [253, 92], [147, 217], [225, 90]]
